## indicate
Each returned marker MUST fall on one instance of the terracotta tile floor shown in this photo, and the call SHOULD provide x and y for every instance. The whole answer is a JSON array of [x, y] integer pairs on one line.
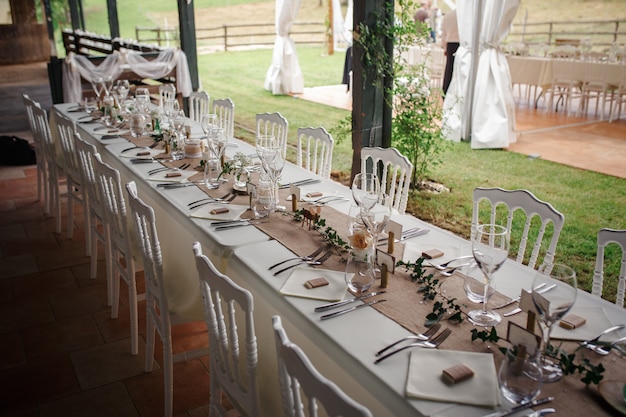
[[60, 352]]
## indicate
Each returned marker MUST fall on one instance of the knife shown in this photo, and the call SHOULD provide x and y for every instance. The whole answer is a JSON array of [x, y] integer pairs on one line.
[[520, 407], [516, 299], [178, 184], [347, 310], [414, 234], [232, 226], [345, 302], [301, 182]]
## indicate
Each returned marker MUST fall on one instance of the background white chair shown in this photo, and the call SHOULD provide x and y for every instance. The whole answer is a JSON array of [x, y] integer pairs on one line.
[[273, 124], [225, 110], [53, 200], [166, 92], [566, 85], [66, 130], [198, 105], [158, 316], [315, 150], [605, 237], [121, 262], [299, 379], [99, 228], [394, 171], [502, 208], [228, 311], [39, 149]]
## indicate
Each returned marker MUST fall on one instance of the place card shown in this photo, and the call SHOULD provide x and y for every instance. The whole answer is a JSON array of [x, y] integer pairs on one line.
[[387, 264], [517, 335], [395, 228]]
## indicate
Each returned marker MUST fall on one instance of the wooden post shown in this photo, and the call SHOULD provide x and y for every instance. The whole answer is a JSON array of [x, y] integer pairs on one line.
[[187, 29], [331, 33], [114, 23]]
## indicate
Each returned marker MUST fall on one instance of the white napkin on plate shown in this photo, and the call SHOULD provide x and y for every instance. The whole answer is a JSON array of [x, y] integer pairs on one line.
[[160, 176], [132, 153], [597, 320], [424, 379], [234, 212], [334, 291]]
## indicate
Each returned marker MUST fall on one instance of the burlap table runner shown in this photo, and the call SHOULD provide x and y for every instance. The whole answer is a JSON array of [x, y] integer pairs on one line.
[[405, 305]]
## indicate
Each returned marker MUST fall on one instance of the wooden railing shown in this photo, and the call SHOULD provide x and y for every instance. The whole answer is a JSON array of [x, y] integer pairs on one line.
[[227, 37], [84, 43], [600, 34]]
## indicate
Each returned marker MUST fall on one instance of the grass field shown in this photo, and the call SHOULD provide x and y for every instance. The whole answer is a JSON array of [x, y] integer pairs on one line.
[[588, 200]]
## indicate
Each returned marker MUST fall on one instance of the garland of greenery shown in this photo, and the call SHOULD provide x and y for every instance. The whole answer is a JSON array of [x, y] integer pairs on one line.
[[329, 234], [430, 288]]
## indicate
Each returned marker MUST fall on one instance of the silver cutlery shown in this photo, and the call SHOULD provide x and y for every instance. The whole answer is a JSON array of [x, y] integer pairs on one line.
[[307, 181], [450, 271], [408, 234], [228, 194], [235, 225], [226, 200], [604, 349], [404, 233], [328, 199], [347, 310], [157, 170], [140, 147], [445, 265], [431, 344], [422, 336], [604, 332], [520, 407], [516, 299], [540, 291], [297, 258], [168, 186], [148, 160], [540, 413], [317, 261], [330, 306]]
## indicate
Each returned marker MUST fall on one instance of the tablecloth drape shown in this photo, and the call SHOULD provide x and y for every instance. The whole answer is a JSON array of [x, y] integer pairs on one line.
[[77, 66], [284, 74]]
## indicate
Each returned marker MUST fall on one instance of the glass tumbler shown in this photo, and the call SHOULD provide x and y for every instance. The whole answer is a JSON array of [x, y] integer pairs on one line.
[[360, 274], [520, 376], [137, 123]]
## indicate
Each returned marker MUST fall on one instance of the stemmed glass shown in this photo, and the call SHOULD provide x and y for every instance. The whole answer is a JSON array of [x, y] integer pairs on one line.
[[520, 375], [143, 99], [98, 86], [208, 123], [490, 247], [273, 162], [108, 84], [365, 190], [551, 306], [377, 217]]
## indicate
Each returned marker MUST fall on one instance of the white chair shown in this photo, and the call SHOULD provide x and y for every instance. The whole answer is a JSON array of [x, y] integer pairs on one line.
[[158, 316], [166, 92], [273, 124], [99, 228], [42, 190], [605, 237], [228, 312], [225, 111], [565, 85], [530, 206], [619, 98], [315, 150], [394, 172], [299, 378], [53, 200], [66, 130], [121, 262], [198, 105]]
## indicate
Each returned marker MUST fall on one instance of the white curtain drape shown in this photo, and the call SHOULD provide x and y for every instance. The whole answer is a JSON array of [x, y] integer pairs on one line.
[[284, 74], [455, 122], [77, 66], [342, 28], [493, 118]]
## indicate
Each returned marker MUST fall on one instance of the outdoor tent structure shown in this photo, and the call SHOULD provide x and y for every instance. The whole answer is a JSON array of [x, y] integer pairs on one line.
[[482, 81]]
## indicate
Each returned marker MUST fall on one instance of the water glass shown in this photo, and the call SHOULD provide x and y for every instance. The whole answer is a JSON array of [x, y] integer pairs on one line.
[[360, 273], [262, 197], [519, 376], [137, 123]]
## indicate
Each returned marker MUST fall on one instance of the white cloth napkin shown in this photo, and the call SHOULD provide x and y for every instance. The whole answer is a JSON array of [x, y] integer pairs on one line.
[[160, 176], [234, 212], [132, 153], [424, 379], [597, 320], [334, 291]]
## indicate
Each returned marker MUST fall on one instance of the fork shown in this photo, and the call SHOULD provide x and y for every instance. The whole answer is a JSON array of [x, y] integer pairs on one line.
[[180, 168], [228, 194], [450, 271], [422, 336], [317, 261], [433, 343], [304, 258], [444, 266], [154, 145], [226, 200]]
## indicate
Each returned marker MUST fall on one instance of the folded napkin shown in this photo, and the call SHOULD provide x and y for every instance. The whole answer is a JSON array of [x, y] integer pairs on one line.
[[111, 131], [596, 318], [132, 153], [234, 212], [334, 291], [414, 247], [160, 176], [424, 379]]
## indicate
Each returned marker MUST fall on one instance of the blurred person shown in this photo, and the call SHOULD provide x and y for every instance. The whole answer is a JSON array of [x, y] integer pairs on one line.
[[421, 15], [449, 43]]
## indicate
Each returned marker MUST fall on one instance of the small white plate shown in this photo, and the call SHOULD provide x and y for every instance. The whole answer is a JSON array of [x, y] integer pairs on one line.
[[234, 212]]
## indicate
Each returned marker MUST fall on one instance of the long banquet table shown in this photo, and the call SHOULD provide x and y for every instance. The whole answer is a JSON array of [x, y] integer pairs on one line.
[[342, 348]]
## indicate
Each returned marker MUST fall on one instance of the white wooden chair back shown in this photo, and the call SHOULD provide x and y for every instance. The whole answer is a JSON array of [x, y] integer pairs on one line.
[[531, 207], [299, 378], [225, 110], [315, 150], [228, 312], [273, 124], [99, 229], [158, 316], [198, 105], [396, 170], [42, 189], [605, 237], [53, 203], [166, 92], [66, 130]]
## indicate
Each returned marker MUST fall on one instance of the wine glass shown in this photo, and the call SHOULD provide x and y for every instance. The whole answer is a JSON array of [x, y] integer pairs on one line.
[[108, 84], [142, 96], [551, 306], [97, 83], [365, 190], [123, 87], [377, 217], [207, 123], [490, 247], [520, 375], [273, 162]]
